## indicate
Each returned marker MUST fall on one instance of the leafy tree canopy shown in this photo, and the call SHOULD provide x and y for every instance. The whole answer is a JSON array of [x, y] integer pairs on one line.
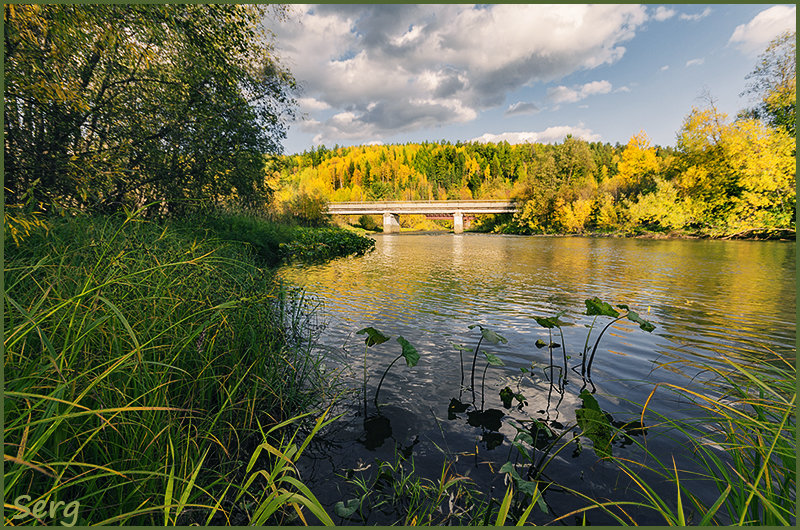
[[115, 105]]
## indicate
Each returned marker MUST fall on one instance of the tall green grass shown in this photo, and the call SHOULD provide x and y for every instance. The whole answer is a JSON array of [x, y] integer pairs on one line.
[[741, 442], [140, 360], [272, 242]]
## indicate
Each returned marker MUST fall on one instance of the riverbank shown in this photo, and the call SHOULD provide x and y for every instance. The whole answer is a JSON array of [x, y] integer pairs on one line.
[[145, 361], [771, 234]]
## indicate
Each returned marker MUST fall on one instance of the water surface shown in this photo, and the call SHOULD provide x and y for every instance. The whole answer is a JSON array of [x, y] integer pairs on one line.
[[705, 298]]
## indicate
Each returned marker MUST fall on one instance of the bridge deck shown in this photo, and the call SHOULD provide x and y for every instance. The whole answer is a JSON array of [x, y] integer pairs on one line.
[[421, 207]]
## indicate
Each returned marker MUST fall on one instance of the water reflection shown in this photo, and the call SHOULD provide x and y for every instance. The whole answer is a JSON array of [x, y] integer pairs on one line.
[[705, 297]]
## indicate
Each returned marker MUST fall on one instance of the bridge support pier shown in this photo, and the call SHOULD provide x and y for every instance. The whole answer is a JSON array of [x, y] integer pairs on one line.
[[458, 222], [390, 224]]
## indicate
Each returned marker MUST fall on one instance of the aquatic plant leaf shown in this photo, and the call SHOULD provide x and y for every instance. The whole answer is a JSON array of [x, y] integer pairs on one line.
[[460, 347], [409, 352], [493, 337], [644, 324], [508, 467], [594, 424], [494, 360], [507, 397], [624, 306], [550, 322], [540, 343], [555, 345], [525, 486], [373, 336], [524, 436], [489, 335], [595, 306], [346, 510]]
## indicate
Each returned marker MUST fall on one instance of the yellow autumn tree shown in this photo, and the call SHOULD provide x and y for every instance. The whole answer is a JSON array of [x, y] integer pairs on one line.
[[740, 175], [638, 160]]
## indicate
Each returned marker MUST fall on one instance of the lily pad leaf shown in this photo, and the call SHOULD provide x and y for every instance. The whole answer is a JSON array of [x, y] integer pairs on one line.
[[492, 359], [373, 336], [555, 345], [624, 306], [595, 306], [409, 352], [346, 510], [540, 343], [644, 324]]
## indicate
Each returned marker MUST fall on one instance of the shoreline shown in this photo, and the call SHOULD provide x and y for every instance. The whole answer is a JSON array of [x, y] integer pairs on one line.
[[781, 234]]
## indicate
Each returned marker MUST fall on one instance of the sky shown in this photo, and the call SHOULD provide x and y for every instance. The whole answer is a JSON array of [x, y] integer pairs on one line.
[[390, 73]]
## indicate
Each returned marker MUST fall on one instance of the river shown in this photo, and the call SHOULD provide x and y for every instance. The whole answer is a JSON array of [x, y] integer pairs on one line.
[[705, 298]]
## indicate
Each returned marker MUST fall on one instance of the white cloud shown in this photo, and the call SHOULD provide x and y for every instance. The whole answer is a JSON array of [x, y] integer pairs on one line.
[[665, 68], [695, 62], [403, 67], [521, 107], [548, 136], [562, 94], [696, 16], [755, 36], [622, 89], [311, 104], [662, 13]]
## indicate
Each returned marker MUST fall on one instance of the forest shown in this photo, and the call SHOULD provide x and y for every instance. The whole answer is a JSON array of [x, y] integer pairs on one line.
[[725, 175]]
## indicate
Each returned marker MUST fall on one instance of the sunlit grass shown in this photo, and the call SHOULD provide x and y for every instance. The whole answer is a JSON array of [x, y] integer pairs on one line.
[[741, 443], [139, 362]]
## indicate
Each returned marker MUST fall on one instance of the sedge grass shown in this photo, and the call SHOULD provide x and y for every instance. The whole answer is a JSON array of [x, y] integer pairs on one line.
[[742, 445], [139, 361]]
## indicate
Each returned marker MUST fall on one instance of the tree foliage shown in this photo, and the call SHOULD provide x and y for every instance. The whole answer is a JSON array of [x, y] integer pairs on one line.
[[112, 105], [774, 83]]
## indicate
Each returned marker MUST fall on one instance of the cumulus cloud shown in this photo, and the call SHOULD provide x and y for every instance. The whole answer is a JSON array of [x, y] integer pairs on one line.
[[398, 67], [695, 62], [548, 136], [662, 13], [521, 107], [755, 36], [311, 104], [696, 16], [562, 94]]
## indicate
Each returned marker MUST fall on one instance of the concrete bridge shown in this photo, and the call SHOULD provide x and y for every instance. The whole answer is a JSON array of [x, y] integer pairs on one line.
[[391, 209]]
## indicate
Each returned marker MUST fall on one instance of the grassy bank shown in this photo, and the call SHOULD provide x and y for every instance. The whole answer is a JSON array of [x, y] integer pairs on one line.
[[144, 362]]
